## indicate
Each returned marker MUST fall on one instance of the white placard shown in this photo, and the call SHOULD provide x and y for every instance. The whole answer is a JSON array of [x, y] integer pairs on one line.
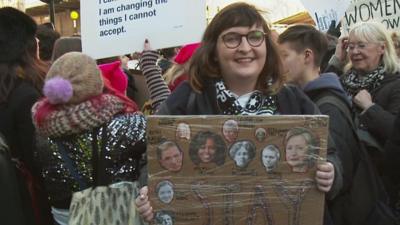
[[117, 27], [323, 11], [386, 12]]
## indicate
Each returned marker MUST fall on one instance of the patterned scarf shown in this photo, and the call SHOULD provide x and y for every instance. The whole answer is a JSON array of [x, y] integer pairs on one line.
[[353, 84], [73, 119], [258, 104]]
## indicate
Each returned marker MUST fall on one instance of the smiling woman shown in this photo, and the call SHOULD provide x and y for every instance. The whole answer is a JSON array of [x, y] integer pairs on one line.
[[237, 71], [372, 81]]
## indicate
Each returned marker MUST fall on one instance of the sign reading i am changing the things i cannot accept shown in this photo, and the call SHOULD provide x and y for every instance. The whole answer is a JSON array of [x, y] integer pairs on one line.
[[117, 27]]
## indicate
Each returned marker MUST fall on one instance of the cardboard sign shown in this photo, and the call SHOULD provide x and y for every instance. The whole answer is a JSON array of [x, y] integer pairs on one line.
[[323, 12], [117, 27], [386, 12], [236, 169]]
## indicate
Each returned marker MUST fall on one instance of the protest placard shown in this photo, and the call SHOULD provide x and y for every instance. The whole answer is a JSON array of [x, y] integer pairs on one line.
[[323, 12], [227, 170], [117, 27], [386, 12]]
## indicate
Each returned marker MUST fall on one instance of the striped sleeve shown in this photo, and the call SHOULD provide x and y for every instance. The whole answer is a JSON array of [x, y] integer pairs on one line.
[[156, 85]]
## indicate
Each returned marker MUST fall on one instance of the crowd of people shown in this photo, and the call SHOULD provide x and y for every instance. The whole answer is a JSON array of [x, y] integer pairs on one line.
[[62, 111]]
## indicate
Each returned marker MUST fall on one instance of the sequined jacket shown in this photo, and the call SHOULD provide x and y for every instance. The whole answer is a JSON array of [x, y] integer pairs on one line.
[[124, 146]]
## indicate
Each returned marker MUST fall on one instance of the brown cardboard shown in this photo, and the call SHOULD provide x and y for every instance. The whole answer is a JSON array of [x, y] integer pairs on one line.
[[227, 191]]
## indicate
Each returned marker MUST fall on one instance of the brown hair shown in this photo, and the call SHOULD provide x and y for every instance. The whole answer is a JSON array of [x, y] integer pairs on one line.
[[304, 36], [204, 65]]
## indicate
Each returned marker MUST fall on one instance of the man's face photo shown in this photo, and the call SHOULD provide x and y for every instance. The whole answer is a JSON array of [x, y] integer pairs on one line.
[[171, 158]]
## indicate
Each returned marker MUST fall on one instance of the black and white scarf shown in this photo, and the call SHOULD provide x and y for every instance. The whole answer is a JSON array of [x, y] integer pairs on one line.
[[258, 104], [353, 84]]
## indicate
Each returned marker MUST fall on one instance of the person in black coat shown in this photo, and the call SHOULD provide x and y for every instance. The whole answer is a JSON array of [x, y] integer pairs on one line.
[[302, 48], [237, 71], [392, 166], [21, 79]]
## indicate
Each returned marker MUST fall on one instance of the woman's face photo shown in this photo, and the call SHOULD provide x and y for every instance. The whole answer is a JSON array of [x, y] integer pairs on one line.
[[296, 151], [230, 130], [171, 159], [242, 157], [260, 134], [166, 219], [206, 152], [163, 218], [270, 159], [166, 193], [183, 131]]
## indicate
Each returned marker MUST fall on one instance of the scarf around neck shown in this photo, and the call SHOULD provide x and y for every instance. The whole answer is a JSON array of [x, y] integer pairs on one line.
[[65, 120], [352, 84], [258, 103]]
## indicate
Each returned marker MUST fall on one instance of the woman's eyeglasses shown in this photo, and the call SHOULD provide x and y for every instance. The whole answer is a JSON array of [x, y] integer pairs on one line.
[[360, 46], [233, 40]]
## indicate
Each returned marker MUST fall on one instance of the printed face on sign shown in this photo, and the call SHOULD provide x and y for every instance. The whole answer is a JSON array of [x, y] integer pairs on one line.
[[206, 152], [165, 191], [183, 131], [261, 134], [230, 130], [207, 147], [164, 218], [170, 156], [270, 156], [300, 148], [242, 152]]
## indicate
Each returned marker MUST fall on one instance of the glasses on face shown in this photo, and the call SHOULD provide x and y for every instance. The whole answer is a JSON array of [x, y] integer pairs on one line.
[[233, 40], [360, 46]]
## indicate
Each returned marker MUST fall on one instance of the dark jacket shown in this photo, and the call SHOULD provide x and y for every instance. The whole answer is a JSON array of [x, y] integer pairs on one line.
[[392, 166], [339, 128], [18, 130], [11, 207], [379, 118], [291, 101], [342, 133], [16, 122], [185, 101]]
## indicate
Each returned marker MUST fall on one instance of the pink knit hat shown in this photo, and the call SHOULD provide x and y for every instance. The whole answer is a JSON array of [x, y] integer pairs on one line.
[[115, 75], [186, 53]]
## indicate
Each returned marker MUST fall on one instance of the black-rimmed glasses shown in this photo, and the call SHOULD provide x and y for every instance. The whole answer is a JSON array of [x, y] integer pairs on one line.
[[233, 40]]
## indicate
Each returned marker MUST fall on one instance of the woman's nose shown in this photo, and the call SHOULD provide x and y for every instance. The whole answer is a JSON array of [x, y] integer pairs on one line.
[[244, 45]]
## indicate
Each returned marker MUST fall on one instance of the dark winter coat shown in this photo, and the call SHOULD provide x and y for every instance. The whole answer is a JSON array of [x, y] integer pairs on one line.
[[379, 118], [18, 130], [392, 166], [16, 122]]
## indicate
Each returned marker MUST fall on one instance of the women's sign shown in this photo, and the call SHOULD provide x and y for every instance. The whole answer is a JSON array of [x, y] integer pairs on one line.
[[227, 170]]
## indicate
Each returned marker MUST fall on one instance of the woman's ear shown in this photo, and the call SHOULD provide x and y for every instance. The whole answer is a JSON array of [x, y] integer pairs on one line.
[[382, 48]]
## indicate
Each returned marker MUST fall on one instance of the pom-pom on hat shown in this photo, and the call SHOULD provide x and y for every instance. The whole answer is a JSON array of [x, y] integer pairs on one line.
[[73, 78], [17, 30], [186, 53]]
